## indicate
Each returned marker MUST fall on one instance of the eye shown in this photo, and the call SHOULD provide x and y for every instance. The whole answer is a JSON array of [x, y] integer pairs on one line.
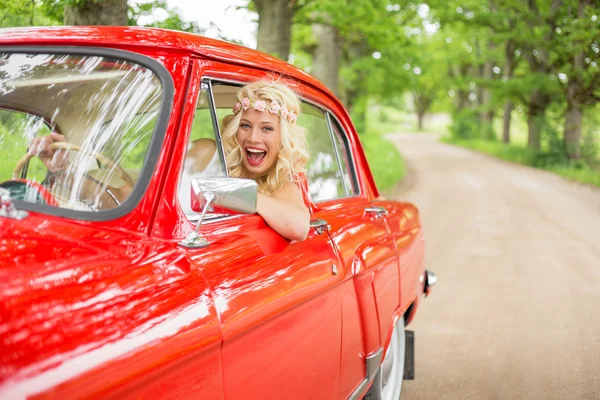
[[268, 128], [244, 125]]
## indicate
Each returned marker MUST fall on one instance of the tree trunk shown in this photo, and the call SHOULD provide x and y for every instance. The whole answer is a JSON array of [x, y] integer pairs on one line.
[[462, 99], [509, 52], [573, 118], [107, 12], [508, 107], [573, 115], [487, 115], [326, 56], [274, 27], [536, 117], [420, 115]]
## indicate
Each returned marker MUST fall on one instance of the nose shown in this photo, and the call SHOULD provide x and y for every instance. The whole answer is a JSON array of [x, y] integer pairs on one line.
[[255, 135]]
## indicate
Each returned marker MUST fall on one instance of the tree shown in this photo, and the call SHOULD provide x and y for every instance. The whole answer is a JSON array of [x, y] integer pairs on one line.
[[354, 48], [275, 25], [172, 20], [25, 13], [578, 47], [92, 12]]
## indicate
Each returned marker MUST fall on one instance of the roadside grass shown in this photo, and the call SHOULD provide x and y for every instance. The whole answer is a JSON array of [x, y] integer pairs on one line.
[[522, 155], [386, 163]]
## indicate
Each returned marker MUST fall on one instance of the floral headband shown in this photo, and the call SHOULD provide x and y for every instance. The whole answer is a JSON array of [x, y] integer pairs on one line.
[[261, 105]]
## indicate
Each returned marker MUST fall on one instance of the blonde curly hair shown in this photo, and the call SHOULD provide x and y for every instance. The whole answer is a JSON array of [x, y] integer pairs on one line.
[[293, 154]]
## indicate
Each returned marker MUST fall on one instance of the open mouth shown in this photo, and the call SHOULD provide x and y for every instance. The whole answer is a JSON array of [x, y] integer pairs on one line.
[[255, 156]]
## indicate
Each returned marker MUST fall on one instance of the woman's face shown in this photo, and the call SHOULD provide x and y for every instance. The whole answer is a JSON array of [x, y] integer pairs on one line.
[[259, 136]]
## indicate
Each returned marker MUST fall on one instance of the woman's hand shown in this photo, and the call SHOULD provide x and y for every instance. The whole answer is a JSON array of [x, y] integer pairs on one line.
[[285, 212], [54, 160]]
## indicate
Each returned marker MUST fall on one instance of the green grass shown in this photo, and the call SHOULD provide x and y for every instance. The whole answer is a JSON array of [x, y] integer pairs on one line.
[[584, 175], [523, 155], [385, 161]]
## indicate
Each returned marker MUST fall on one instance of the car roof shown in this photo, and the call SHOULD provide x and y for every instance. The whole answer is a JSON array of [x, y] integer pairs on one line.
[[153, 38]]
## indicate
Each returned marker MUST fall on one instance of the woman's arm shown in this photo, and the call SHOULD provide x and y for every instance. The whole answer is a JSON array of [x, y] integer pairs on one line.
[[285, 212]]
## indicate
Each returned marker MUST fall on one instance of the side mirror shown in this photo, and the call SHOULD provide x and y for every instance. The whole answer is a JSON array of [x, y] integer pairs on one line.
[[219, 195], [229, 195]]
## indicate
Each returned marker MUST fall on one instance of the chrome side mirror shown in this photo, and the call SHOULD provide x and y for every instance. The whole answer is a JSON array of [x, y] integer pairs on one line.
[[223, 196]]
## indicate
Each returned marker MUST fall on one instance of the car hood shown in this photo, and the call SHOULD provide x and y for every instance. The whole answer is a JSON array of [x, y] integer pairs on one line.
[[39, 254], [63, 279]]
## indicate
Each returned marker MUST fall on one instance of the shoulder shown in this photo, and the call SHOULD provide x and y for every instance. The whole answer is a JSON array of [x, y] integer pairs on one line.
[[290, 192], [201, 152]]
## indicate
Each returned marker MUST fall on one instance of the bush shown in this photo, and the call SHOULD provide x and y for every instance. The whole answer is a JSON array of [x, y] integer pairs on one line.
[[468, 125], [465, 125]]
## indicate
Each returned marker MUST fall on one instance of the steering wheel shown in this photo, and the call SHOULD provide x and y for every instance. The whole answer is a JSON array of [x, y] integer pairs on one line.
[[98, 156], [72, 146]]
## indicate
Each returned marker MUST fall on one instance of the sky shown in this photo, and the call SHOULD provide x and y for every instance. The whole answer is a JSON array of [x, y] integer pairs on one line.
[[233, 24]]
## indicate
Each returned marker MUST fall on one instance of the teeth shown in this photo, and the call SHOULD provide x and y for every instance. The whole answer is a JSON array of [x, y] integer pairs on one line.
[[255, 151]]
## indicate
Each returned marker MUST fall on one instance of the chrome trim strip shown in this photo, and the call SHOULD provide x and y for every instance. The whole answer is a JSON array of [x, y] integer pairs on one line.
[[356, 394], [352, 158], [373, 362], [215, 121], [337, 151]]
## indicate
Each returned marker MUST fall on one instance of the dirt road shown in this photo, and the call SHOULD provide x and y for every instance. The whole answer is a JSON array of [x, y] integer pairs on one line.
[[516, 311]]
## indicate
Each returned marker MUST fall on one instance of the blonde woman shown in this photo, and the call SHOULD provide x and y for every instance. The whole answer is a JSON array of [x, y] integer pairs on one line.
[[263, 142]]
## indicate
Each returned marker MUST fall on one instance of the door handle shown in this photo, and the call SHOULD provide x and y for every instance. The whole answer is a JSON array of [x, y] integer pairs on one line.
[[378, 211], [320, 225]]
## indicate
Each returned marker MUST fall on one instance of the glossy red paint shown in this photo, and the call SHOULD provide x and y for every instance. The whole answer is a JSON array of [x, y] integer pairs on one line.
[[119, 309]]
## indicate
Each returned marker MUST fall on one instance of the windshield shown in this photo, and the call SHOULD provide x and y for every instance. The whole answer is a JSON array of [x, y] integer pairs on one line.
[[74, 129]]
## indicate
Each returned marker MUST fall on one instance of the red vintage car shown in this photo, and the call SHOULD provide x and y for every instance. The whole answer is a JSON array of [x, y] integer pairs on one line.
[[157, 292]]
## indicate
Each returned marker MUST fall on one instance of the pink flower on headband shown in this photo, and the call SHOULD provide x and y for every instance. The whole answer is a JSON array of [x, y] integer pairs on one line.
[[245, 103], [292, 118], [274, 107], [237, 107], [284, 113], [260, 105]]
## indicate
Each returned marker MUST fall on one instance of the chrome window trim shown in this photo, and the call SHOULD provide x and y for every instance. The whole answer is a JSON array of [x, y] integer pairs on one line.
[[215, 121], [337, 152], [350, 154]]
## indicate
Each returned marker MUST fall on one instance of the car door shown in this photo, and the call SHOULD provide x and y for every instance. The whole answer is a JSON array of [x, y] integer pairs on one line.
[[367, 252], [278, 301]]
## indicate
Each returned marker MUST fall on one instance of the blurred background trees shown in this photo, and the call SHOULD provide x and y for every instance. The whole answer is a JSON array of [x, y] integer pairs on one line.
[[518, 78]]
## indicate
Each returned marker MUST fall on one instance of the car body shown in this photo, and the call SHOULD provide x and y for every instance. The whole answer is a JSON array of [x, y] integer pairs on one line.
[[105, 301]]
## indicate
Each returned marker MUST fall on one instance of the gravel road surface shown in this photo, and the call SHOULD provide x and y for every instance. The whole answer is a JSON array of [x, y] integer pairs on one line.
[[516, 310]]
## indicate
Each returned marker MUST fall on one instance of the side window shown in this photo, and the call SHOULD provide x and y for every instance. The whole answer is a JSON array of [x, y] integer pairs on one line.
[[325, 180], [345, 157], [203, 156]]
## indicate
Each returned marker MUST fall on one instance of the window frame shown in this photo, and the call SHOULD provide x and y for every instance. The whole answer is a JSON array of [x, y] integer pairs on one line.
[[349, 154], [328, 114], [156, 141]]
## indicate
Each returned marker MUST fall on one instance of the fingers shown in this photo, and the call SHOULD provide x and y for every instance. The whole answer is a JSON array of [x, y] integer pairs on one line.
[[40, 146], [57, 137]]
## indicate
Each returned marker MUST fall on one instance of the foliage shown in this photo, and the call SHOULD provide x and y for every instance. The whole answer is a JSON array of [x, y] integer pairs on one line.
[[173, 20], [575, 171], [466, 125], [386, 163], [15, 13]]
